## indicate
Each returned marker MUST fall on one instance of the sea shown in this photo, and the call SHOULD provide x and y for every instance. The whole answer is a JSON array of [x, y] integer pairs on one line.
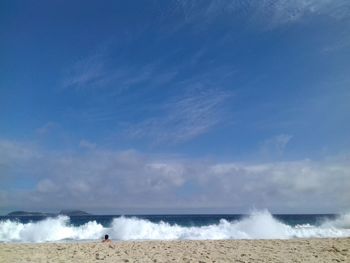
[[256, 225]]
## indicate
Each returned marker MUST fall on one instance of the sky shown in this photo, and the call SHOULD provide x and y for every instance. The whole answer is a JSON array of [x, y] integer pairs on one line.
[[179, 106]]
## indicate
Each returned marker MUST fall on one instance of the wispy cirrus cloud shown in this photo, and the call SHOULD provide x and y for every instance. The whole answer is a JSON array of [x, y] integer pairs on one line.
[[176, 118], [98, 72], [279, 12], [87, 72], [338, 44], [263, 13], [185, 118]]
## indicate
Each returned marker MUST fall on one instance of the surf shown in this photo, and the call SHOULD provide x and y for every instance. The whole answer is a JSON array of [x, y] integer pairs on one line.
[[257, 225]]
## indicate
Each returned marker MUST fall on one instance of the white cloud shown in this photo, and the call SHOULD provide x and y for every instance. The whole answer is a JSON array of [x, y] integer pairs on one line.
[[109, 181], [85, 144], [173, 173], [47, 128], [275, 145], [46, 186], [10, 152]]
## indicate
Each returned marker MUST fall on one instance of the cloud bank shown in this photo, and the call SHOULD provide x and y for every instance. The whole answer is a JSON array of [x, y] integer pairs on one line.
[[103, 181]]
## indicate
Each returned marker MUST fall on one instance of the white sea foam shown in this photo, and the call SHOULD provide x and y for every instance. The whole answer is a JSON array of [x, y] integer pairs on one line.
[[50, 229], [259, 225], [343, 221]]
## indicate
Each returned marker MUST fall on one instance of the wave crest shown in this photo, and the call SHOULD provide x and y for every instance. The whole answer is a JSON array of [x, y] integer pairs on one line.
[[50, 229], [258, 225]]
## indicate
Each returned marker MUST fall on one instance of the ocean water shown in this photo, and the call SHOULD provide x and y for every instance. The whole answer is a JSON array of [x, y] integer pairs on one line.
[[257, 225]]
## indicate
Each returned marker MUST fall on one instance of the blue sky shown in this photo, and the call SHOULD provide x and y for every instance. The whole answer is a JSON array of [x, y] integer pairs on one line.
[[151, 106]]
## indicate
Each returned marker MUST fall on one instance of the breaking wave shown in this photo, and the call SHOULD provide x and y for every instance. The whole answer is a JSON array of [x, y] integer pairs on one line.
[[258, 225]]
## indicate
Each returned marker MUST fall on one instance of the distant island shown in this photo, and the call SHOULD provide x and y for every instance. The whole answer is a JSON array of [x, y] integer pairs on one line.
[[74, 213], [62, 212], [25, 213]]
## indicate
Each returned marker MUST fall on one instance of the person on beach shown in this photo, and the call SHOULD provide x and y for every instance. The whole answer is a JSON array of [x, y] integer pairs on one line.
[[106, 240]]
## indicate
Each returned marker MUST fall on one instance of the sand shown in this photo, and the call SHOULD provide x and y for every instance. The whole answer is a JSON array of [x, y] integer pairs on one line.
[[297, 250]]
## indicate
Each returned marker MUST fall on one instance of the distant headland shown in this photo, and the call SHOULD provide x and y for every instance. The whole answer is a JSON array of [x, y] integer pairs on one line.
[[62, 212], [73, 213]]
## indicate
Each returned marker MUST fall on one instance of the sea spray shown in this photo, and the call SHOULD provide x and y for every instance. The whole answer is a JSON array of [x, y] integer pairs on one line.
[[258, 225], [49, 229], [342, 221]]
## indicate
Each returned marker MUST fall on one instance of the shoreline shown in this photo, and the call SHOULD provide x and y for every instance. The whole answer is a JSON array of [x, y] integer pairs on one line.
[[258, 250]]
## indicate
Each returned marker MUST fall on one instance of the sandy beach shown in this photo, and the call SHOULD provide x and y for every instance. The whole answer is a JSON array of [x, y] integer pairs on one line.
[[301, 250]]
